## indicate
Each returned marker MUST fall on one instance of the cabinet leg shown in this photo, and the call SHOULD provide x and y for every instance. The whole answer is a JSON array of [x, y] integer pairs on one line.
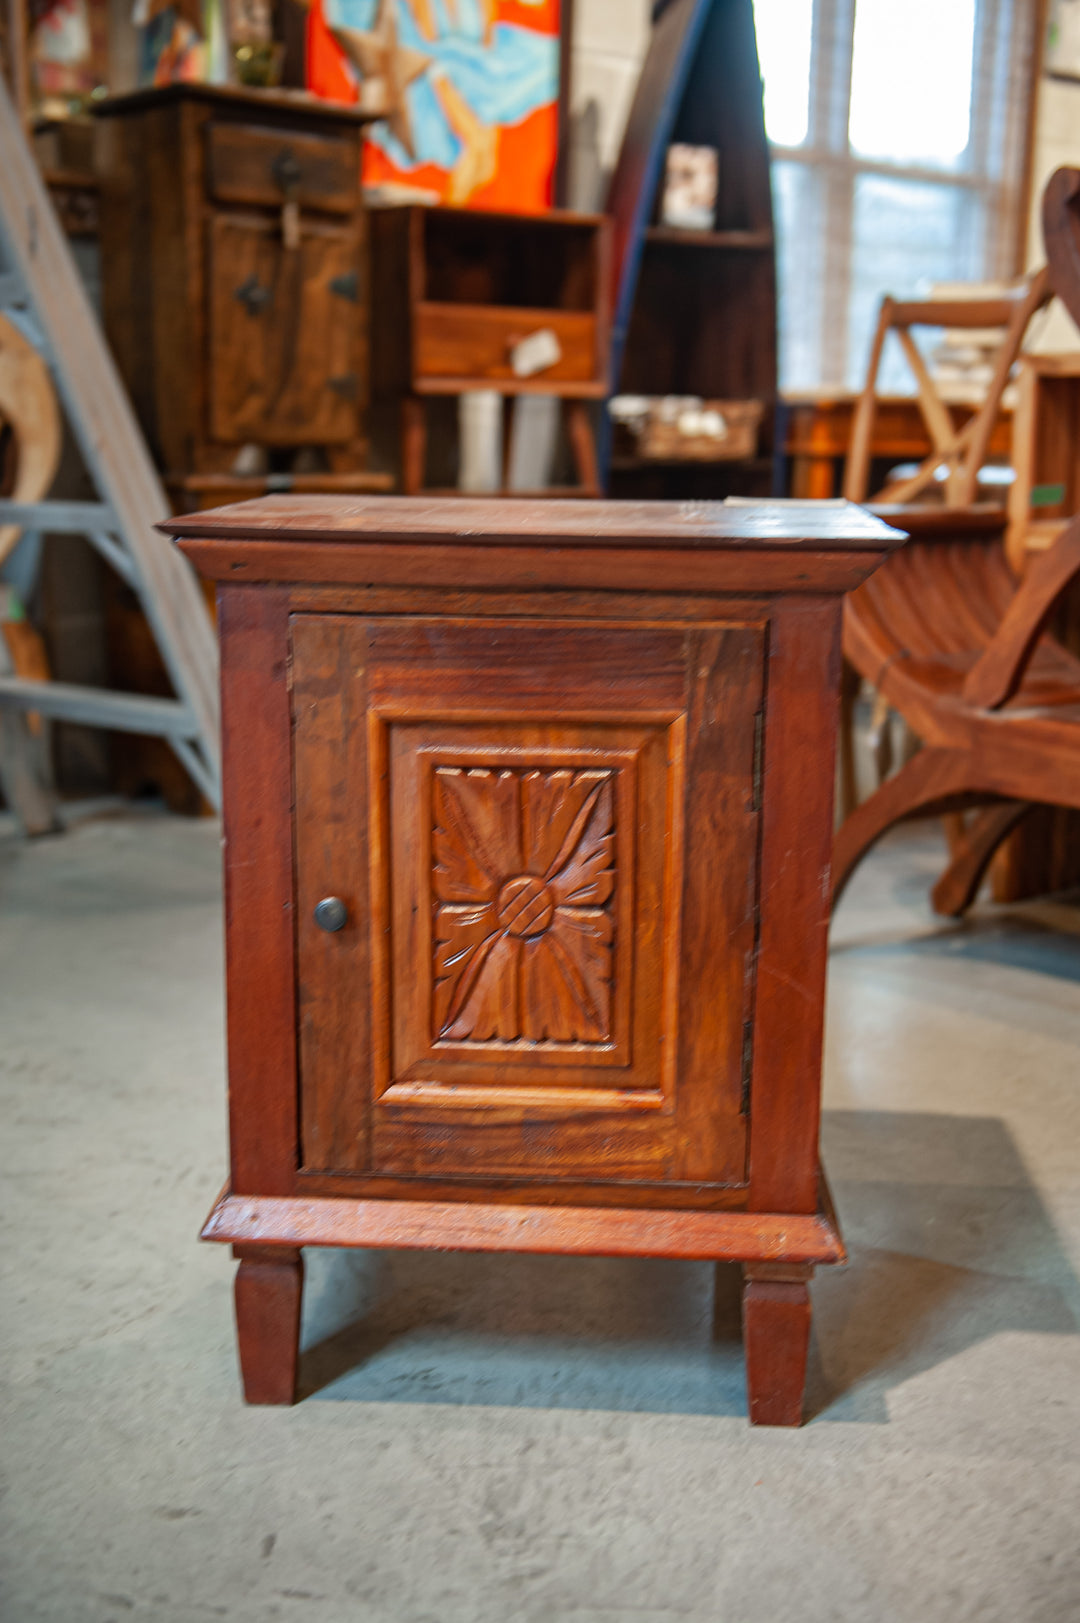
[[413, 445], [269, 1286], [579, 432], [776, 1335]]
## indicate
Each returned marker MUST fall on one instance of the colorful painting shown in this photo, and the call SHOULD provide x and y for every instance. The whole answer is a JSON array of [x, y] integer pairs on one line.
[[471, 89], [68, 53], [179, 41]]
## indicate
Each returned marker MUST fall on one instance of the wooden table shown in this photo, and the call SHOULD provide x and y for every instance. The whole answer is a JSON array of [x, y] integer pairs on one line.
[[528, 812], [819, 432]]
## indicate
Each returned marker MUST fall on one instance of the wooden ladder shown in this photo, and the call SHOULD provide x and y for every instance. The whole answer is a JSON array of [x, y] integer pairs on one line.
[[41, 294]]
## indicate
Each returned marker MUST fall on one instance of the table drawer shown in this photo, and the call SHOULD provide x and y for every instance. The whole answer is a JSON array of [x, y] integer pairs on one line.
[[474, 342], [269, 167]]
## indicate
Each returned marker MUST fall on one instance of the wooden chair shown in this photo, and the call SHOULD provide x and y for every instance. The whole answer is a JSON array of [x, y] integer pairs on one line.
[[963, 652], [961, 451]]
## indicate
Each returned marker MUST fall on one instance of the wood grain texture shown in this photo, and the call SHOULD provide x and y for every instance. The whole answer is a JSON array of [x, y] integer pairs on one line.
[[797, 800], [726, 685], [508, 522], [246, 164], [559, 605], [584, 861], [283, 366], [267, 1296], [497, 1052], [999, 670], [776, 1336], [959, 884], [192, 190], [964, 655], [562, 1231], [329, 700], [258, 854], [475, 343], [586, 568], [527, 1191]]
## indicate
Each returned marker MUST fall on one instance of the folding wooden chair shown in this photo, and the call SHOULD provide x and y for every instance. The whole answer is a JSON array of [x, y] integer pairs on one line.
[[961, 451]]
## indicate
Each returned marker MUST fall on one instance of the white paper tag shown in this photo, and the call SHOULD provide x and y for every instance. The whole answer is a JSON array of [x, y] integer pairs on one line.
[[535, 353]]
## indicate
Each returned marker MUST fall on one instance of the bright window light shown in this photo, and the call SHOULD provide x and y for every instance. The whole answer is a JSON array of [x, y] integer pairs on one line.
[[784, 30], [911, 80]]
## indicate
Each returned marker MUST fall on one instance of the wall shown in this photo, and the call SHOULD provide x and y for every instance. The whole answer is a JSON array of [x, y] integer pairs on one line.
[[609, 42]]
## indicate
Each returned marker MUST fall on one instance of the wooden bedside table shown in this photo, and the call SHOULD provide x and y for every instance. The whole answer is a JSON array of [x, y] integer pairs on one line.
[[528, 813]]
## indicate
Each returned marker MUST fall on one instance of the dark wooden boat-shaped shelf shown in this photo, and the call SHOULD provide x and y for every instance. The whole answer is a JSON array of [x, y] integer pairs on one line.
[[694, 312]]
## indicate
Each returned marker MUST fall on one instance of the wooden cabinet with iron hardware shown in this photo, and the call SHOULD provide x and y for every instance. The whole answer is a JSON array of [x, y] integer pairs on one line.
[[528, 812], [234, 263]]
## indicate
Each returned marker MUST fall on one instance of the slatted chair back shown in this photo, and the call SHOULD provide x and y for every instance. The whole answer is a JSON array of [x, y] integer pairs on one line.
[[961, 451]]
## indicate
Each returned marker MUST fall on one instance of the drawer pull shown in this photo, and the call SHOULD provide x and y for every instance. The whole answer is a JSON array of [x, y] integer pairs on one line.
[[287, 171], [252, 295], [346, 286], [331, 914]]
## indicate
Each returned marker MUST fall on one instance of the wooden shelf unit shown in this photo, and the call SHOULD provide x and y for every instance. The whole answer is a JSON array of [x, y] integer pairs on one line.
[[456, 291], [694, 312]]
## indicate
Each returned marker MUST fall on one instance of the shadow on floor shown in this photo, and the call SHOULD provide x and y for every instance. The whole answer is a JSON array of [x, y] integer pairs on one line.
[[1014, 939], [949, 1241]]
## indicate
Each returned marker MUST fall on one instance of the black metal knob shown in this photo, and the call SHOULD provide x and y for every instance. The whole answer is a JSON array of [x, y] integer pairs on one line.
[[331, 914]]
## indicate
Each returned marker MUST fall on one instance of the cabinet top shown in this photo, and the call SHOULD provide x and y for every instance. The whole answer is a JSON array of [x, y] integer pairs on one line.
[[468, 521], [302, 103], [534, 546]]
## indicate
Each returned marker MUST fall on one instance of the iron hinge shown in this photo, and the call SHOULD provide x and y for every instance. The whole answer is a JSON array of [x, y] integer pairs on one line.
[[346, 286]]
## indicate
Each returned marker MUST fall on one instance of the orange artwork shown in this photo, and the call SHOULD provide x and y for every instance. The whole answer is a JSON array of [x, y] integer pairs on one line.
[[470, 87]]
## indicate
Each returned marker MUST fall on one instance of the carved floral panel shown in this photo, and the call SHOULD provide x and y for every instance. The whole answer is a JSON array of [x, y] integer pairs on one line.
[[524, 879]]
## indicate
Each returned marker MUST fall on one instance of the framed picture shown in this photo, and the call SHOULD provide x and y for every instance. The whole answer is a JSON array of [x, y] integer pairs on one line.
[[475, 92]]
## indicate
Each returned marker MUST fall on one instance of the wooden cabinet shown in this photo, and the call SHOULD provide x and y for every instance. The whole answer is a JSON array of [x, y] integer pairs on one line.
[[458, 291], [234, 265], [528, 820]]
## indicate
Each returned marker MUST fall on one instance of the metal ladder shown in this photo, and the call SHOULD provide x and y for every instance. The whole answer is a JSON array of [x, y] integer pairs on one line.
[[41, 294]]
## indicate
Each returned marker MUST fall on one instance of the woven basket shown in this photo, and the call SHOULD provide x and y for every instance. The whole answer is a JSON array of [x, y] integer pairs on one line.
[[680, 438]]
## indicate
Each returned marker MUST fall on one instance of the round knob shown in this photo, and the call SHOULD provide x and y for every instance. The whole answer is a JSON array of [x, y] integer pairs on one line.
[[331, 913]]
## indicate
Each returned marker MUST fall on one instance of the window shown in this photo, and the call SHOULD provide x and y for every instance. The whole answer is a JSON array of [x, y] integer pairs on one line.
[[898, 132]]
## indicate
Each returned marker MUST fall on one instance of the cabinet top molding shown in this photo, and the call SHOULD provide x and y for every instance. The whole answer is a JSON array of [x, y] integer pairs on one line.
[[629, 525], [243, 98]]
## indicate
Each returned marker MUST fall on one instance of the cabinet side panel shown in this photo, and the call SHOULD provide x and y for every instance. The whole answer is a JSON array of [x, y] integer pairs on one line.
[[257, 789], [797, 819], [725, 680], [330, 696]]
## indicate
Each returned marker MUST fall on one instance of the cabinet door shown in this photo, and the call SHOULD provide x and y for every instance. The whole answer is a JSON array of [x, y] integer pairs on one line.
[[284, 333], [545, 835]]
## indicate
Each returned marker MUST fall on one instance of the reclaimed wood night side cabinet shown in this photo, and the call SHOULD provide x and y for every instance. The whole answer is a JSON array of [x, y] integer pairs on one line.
[[528, 814]]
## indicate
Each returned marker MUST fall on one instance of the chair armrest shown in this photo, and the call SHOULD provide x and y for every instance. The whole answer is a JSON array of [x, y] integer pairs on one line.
[[998, 672]]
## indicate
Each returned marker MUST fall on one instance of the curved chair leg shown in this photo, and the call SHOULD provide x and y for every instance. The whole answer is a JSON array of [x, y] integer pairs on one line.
[[929, 782], [956, 889]]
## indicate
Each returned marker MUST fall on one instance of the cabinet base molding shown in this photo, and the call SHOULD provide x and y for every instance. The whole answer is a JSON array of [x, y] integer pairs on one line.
[[596, 1231]]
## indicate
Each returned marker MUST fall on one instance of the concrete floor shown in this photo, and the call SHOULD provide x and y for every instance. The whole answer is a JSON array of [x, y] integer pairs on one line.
[[488, 1440]]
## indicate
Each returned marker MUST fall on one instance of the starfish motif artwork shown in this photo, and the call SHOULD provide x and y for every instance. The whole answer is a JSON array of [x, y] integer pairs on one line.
[[383, 61]]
